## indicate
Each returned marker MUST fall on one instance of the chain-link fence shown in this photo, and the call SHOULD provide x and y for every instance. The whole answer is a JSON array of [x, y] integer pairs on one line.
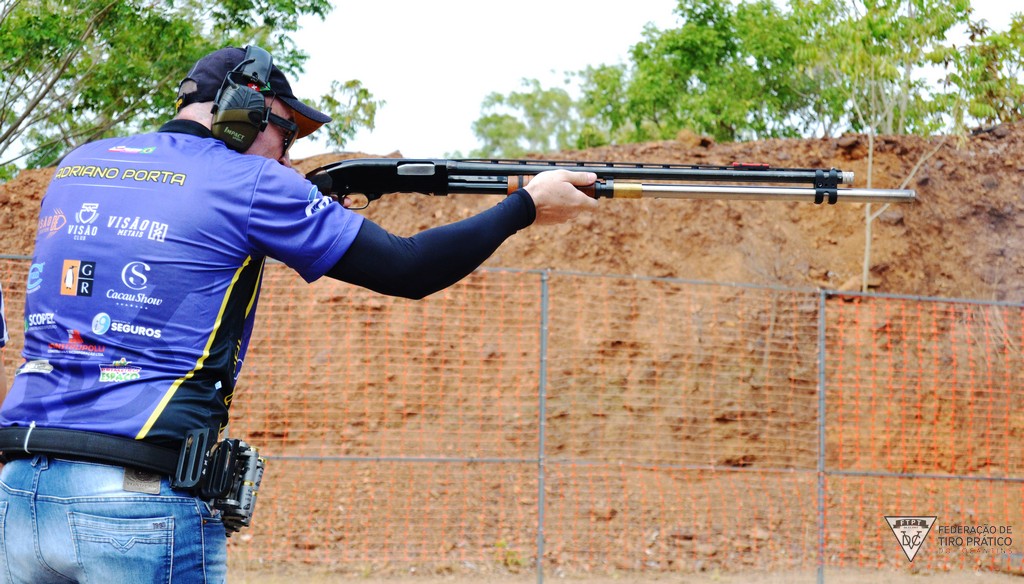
[[545, 422]]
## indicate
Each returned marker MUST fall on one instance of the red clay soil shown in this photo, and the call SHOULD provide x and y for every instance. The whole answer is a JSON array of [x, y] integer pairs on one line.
[[961, 239]]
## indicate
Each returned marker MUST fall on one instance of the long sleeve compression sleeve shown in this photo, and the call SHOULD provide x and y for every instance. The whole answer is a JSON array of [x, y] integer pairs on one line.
[[417, 266]]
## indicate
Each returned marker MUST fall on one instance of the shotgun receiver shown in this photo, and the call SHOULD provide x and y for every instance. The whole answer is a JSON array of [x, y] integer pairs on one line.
[[372, 178]]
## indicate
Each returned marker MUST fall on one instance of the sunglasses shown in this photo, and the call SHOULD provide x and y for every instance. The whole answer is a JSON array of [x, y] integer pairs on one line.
[[288, 127]]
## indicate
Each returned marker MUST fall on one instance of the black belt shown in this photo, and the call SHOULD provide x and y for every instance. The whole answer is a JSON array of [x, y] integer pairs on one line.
[[23, 442]]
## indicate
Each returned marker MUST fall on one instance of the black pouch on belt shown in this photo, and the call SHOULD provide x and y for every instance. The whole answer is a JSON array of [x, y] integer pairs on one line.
[[226, 474]]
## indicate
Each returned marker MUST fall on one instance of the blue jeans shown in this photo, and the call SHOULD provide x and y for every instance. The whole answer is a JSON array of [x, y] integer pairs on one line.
[[63, 521]]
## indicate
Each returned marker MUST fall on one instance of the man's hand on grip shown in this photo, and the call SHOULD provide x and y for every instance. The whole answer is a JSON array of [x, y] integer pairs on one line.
[[556, 197]]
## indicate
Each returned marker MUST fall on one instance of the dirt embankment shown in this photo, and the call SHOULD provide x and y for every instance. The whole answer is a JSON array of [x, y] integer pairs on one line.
[[962, 238]]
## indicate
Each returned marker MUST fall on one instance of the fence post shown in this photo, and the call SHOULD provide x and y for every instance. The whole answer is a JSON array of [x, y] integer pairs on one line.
[[542, 415], [821, 436]]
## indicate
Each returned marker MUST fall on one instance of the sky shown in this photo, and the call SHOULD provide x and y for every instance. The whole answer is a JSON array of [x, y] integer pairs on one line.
[[434, 63]]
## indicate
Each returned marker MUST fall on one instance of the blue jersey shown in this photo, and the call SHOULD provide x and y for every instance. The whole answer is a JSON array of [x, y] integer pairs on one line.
[[145, 278]]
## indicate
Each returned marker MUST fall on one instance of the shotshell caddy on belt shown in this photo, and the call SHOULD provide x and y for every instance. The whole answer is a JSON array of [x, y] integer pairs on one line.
[[228, 476]]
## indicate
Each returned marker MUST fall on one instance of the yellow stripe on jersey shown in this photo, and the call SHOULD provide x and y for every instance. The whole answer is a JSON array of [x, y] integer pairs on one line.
[[199, 364]]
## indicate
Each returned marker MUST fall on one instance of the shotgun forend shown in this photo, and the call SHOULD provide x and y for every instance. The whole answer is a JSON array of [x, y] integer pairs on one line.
[[372, 178]]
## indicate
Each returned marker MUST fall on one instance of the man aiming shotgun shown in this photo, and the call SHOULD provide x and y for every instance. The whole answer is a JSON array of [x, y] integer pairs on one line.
[[139, 314], [140, 311]]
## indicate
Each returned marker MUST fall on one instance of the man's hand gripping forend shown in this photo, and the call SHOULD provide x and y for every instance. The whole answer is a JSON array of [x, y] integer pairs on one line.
[[556, 197]]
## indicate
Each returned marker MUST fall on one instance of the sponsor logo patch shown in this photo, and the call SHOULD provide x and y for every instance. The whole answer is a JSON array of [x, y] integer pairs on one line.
[[77, 278], [36, 366], [120, 370], [78, 346]]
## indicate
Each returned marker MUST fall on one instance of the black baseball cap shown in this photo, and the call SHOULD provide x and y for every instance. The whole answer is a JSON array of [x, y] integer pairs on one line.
[[207, 75]]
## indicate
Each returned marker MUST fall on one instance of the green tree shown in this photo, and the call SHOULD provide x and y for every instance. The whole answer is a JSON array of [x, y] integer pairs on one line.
[[728, 71], [879, 49], [873, 54], [546, 120], [982, 80], [73, 72], [351, 107], [754, 69]]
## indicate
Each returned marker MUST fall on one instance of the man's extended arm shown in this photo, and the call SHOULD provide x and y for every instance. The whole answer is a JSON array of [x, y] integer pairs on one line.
[[417, 266]]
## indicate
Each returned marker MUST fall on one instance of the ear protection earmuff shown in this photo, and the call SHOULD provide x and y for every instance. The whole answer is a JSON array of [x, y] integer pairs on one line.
[[240, 111]]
